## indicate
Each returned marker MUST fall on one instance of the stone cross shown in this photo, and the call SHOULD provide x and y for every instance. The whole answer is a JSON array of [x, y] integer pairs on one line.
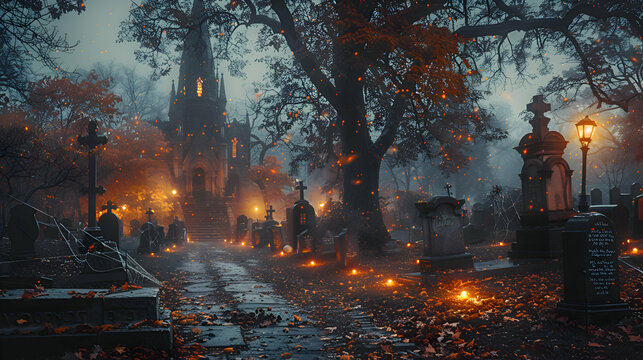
[[448, 187], [540, 121], [301, 189], [92, 140], [269, 212], [109, 206], [149, 213]]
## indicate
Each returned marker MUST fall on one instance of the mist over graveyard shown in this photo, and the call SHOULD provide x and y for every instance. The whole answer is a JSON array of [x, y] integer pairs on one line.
[[269, 179]]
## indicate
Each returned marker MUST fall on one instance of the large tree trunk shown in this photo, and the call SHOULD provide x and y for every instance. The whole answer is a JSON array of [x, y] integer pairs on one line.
[[361, 199]]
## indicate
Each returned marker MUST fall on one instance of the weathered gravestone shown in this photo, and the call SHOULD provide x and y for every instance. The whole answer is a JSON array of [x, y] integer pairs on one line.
[[257, 230], [637, 225], [443, 240], [268, 232], [22, 231], [172, 233], [149, 239], [241, 229], [636, 189], [546, 188], [590, 270], [619, 216], [615, 195], [596, 196], [110, 224], [303, 216]]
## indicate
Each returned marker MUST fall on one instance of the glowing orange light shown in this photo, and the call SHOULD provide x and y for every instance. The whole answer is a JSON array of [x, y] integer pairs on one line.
[[173, 191], [408, 244], [243, 244], [199, 87], [151, 254], [389, 282], [501, 243], [321, 205], [628, 240], [281, 253], [635, 251], [417, 261], [354, 272], [124, 207], [174, 246], [312, 263], [256, 208], [167, 250], [463, 295]]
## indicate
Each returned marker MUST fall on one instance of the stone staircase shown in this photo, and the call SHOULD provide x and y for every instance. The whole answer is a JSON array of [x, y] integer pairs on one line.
[[207, 219]]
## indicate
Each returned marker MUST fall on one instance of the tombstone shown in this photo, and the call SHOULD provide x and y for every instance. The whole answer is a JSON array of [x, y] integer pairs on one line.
[[415, 235], [255, 237], [305, 242], [172, 233], [596, 196], [149, 239], [303, 216], [242, 228], [109, 224], [637, 223], [546, 189], [619, 216], [160, 230], [22, 231], [590, 270], [443, 239], [615, 195], [636, 189], [277, 237]]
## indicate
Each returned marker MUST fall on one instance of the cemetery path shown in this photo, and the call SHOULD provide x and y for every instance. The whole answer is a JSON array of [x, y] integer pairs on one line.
[[231, 301], [239, 313]]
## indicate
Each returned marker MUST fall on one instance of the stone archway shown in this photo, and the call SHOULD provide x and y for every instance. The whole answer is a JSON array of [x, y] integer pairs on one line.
[[198, 182]]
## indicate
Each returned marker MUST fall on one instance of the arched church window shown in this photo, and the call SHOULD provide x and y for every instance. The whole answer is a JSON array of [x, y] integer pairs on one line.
[[234, 147], [199, 87]]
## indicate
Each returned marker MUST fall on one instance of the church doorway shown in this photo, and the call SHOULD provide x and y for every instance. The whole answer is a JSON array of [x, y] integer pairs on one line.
[[198, 182]]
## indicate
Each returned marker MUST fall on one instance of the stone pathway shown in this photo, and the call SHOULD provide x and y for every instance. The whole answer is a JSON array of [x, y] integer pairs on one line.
[[211, 272]]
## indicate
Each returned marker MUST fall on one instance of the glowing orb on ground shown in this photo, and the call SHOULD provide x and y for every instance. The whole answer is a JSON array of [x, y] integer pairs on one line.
[[287, 249]]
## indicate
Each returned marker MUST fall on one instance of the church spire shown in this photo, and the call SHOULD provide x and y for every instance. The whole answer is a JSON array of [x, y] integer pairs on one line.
[[172, 100], [222, 95], [197, 61]]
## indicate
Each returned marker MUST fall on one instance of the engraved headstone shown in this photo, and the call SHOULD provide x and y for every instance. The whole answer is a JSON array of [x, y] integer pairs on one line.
[[618, 215], [443, 239], [149, 239], [242, 228], [596, 196], [590, 269], [22, 231]]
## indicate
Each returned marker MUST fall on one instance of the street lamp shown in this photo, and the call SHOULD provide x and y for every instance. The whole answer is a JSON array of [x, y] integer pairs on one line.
[[585, 129]]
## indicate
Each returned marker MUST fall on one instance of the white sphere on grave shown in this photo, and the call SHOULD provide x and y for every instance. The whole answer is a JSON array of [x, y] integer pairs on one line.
[[287, 249]]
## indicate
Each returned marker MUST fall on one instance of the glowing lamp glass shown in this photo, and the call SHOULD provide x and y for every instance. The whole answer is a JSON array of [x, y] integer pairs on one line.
[[585, 129]]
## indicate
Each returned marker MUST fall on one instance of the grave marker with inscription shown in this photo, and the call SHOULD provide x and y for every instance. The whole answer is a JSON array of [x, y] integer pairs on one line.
[[443, 239], [590, 266]]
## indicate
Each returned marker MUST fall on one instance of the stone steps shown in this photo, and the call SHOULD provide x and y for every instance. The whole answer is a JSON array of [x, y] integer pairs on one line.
[[206, 220]]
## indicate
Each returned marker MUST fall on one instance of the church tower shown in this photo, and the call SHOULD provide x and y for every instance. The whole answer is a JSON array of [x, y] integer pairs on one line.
[[197, 116]]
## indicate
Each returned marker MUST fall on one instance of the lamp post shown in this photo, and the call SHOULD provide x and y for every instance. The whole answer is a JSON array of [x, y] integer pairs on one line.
[[585, 129]]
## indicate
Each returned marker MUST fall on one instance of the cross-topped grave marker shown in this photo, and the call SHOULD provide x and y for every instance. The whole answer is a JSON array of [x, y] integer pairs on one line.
[[448, 187], [301, 189], [149, 214], [269, 213], [92, 140]]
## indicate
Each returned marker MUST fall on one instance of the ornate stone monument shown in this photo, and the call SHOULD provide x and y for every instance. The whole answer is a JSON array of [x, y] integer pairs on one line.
[[443, 239], [546, 188]]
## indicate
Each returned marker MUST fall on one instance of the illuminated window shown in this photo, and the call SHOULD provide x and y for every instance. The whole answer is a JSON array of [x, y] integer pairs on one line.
[[302, 218], [234, 147], [199, 87]]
